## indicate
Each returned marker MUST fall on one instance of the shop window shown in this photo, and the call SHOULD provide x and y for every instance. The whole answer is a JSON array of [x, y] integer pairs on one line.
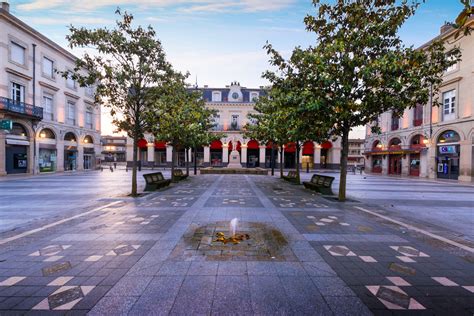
[[449, 105], [449, 137]]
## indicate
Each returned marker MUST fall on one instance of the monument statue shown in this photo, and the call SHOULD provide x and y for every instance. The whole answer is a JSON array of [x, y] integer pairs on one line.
[[234, 157]]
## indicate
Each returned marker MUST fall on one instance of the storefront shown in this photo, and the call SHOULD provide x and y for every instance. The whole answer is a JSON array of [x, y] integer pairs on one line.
[[253, 154], [142, 152], [70, 158], [308, 154], [268, 155], [160, 153], [417, 144], [290, 156], [89, 158], [47, 158], [395, 157], [16, 150], [216, 153], [447, 155], [324, 158]]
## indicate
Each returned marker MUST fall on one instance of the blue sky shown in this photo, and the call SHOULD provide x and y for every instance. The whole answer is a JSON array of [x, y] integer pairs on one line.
[[218, 41]]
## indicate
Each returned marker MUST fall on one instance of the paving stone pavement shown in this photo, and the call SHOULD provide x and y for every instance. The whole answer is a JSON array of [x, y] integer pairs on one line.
[[306, 255]]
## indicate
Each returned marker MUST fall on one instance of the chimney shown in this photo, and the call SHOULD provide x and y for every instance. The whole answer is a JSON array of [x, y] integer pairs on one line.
[[445, 28], [5, 6]]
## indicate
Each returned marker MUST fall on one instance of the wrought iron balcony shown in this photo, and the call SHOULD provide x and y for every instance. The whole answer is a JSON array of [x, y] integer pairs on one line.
[[21, 108], [223, 128]]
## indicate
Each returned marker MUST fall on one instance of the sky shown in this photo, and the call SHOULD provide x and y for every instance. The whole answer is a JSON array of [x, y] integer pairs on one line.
[[216, 41]]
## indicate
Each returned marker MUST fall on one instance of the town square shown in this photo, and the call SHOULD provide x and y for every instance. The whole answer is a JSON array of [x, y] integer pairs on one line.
[[319, 162]]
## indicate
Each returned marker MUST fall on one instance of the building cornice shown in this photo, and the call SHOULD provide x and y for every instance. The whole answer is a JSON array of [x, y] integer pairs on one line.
[[450, 81], [31, 31], [17, 73], [47, 85], [69, 94]]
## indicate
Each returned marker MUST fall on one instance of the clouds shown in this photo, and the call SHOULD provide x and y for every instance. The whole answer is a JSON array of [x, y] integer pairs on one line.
[[182, 5]]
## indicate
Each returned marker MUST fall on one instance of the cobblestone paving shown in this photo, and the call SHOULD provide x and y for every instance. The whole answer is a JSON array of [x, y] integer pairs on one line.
[[305, 255]]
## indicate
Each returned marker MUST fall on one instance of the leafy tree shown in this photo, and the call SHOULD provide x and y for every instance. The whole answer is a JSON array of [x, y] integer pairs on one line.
[[359, 68], [127, 62], [461, 21], [180, 117]]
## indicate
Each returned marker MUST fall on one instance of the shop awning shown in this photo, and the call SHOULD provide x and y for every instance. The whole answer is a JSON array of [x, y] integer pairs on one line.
[[253, 144], [142, 143], [290, 148], [160, 145], [216, 144], [308, 148], [326, 145], [17, 142], [396, 151]]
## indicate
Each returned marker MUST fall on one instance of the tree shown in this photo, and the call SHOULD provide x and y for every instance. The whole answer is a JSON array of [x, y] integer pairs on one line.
[[128, 62], [359, 68], [180, 117]]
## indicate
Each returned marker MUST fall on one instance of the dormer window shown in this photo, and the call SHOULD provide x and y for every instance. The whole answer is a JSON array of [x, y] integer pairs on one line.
[[216, 96], [253, 96]]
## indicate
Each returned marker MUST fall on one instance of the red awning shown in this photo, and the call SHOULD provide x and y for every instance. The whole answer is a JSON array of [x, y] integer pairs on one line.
[[253, 144], [326, 145], [216, 144], [160, 145], [308, 148], [231, 146], [269, 145], [142, 143], [290, 148]]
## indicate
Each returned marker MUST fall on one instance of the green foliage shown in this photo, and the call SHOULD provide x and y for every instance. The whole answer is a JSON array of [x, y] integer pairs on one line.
[[127, 62], [358, 68]]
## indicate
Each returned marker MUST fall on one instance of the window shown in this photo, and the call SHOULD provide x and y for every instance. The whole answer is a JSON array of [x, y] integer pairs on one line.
[[452, 67], [89, 120], [395, 123], [234, 124], [18, 92], [70, 82], [90, 91], [253, 96], [216, 96], [48, 67], [48, 107], [418, 115], [449, 105], [18, 53], [71, 113]]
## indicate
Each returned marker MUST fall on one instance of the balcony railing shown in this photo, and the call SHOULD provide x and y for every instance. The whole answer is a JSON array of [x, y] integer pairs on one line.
[[227, 128], [21, 108]]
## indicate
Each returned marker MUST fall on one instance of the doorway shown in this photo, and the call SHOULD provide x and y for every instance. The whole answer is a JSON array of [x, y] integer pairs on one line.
[[395, 164]]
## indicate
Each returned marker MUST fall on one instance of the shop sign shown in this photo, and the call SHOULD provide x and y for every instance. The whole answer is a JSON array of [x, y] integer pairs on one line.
[[6, 125], [447, 149]]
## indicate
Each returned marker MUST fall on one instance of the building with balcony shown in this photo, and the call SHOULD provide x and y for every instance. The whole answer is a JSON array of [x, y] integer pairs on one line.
[[431, 142], [355, 156], [233, 104], [114, 148], [56, 124]]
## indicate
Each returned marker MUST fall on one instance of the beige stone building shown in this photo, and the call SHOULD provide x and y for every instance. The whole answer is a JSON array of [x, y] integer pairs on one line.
[[233, 104], [431, 142], [55, 123]]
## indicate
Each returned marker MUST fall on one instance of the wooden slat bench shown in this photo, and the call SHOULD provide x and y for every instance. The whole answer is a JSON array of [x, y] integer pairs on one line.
[[320, 183], [179, 175], [291, 177], [155, 181]]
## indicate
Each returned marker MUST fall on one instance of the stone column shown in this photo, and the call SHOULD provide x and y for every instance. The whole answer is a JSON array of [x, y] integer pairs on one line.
[[80, 158], [207, 154], [243, 154], [317, 156], [31, 156], [3, 153], [60, 155], [385, 159], [432, 165], [424, 163], [169, 155], [261, 157], [368, 164], [405, 164], [465, 161], [225, 153], [335, 157], [150, 147]]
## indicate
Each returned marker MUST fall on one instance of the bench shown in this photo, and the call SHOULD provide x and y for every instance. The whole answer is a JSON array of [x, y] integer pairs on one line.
[[291, 177], [320, 183], [179, 175], [155, 181]]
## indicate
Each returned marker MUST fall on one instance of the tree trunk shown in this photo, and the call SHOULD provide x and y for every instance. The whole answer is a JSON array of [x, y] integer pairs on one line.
[[281, 161], [195, 160], [272, 159], [134, 165], [186, 153], [298, 163], [172, 162], [344, 153]]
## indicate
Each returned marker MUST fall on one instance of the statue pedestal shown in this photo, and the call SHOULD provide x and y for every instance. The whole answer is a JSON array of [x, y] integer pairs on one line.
[[234, 160]]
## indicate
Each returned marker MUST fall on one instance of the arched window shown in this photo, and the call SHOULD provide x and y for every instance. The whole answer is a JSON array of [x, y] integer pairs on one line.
[[88, 140], [418, 141], [253, 144], [395, 143], [19, 130], [70, 137], [449, 137], [377, 145], [47, 133]]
